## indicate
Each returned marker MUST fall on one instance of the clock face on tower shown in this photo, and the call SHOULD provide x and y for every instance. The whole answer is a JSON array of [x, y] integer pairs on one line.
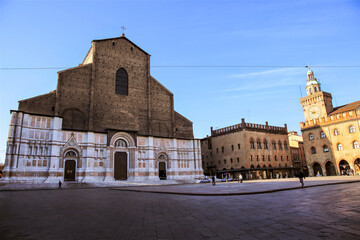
[[314, 112]]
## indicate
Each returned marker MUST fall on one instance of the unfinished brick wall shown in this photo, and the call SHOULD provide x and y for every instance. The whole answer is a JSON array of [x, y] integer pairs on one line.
[[43, 104], [183, 127], [111, 110], [86, 97], [73, 98]]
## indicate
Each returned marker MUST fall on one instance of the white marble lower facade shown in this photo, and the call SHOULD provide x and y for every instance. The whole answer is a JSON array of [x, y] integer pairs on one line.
[[38, 150]]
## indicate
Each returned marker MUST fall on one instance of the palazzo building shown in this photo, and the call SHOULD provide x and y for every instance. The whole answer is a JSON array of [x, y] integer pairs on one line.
[[331, 135], [253, 150], [297, 152], [107, 120]]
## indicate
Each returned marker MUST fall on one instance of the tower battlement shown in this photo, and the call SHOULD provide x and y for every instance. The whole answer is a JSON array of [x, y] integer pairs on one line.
[[339, 117], [249, 126]]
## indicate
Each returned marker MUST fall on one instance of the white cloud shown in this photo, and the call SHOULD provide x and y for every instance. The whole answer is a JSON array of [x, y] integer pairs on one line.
[[269, 79], [279, 71]]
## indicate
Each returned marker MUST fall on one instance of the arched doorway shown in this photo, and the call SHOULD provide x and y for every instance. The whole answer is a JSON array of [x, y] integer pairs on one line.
[[70, 166], [162, 167], [330, 169], [120, 166], [344, 167], [357, 166], [317, 169]]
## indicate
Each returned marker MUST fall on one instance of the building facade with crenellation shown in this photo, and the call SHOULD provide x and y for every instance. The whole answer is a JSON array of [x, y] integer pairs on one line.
[[253, 150], [107, 120], [331, 134]]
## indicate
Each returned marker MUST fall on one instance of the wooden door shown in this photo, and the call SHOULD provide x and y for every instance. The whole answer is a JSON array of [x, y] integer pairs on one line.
[[69, 170], [162, 171], [120, 168]]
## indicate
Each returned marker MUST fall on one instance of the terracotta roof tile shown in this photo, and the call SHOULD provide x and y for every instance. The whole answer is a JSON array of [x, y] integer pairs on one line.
[[345, 108]]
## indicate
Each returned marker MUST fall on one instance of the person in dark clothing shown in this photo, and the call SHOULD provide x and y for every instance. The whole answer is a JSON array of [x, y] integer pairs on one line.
[[59, 184], [301, 177], [213, 179]]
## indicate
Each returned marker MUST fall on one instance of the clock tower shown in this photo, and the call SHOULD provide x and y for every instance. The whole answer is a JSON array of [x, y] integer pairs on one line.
[[317, 103]]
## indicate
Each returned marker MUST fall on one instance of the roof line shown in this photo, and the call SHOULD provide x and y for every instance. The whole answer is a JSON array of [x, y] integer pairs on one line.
[[121, 37]]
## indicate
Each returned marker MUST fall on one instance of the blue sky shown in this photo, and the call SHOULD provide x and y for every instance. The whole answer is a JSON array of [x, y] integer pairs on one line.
[[36, 34]]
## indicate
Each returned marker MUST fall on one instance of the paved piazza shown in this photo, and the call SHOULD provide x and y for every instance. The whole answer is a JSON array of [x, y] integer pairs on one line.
[[325, 212]]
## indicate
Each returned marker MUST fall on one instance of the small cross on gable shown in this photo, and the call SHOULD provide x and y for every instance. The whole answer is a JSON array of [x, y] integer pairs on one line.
[[123, 30]]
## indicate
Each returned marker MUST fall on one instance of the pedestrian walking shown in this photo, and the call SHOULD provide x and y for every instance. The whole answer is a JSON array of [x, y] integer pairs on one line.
[[301, 177], [213, 179], [240, 178], [59, 184]]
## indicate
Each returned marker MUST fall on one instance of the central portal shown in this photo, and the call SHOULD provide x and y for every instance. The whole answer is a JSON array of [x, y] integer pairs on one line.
[[162, 170], [120, 166]]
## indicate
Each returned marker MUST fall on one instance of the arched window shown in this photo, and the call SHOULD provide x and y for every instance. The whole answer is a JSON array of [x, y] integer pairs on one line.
[[325, 148], [222, 149], [258, 144], [322, 134], [313, 150], [311, 136], [339, 147], [266, 144], [274, 145], [232, 147], [311, 90], [269, 159], [252, 144], [351, 129], [121, 83], [336, 132], [280, 145], [239, 146], [315, 89], [285, 145], [356, 145]]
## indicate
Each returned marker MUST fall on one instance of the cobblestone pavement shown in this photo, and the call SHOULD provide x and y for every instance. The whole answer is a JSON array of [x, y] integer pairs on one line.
[[326, 212]]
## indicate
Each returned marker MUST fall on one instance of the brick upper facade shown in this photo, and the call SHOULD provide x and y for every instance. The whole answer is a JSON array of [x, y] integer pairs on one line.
[[86, 100]]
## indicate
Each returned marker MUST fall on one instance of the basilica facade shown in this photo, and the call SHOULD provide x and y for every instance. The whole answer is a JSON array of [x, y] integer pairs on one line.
[[107, 120], [331, 134]]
